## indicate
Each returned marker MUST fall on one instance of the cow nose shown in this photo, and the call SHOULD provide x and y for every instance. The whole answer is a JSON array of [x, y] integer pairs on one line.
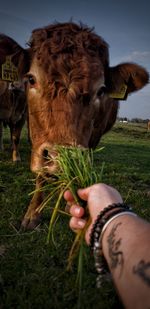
[[42, 158], [48, 159], [45, 153]]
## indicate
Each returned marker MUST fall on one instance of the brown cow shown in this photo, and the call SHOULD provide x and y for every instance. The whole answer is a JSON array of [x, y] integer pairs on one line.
[[148, 126], [72, 92], [13, 112]]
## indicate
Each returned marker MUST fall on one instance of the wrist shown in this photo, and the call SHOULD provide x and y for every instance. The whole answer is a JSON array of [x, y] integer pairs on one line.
[[103, 221], [106, 214], [125, 218]]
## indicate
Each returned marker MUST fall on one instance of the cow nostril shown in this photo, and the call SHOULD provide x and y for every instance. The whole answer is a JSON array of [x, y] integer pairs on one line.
[[49, 160], [45, 153]]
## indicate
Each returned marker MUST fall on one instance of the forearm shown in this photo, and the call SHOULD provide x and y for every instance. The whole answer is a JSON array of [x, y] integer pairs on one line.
[[126, 247]]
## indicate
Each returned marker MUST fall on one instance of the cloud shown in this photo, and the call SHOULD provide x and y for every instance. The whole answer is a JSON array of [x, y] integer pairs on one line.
[[137, 56], [5, 17], [140, 57]]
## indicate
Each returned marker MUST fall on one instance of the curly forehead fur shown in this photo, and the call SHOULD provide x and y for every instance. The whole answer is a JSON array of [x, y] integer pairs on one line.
[[69, 52], [68, 37]]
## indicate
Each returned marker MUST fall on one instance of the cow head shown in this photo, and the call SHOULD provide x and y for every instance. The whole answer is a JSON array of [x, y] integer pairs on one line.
[[72, 92]]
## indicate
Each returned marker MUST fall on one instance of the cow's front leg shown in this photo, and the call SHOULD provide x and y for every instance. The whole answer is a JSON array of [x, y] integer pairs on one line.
[[33, 216], [15, 132], [1, 136]]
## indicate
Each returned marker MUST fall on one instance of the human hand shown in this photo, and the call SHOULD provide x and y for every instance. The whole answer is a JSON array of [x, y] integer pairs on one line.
[[97, 196]]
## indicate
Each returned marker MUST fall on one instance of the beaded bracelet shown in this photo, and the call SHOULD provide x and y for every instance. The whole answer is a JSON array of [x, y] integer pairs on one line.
[[103, 217], [96, 245]]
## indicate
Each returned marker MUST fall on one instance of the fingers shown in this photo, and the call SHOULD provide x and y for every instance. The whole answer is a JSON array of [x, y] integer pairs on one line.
[[83, 193], [72, 208], [77, 211], [70, 200], [68, 196], [76, 223]]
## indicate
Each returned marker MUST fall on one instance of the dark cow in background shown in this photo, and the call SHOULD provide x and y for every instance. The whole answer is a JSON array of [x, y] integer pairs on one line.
[[72, 92], [148, 125], [13, 113]]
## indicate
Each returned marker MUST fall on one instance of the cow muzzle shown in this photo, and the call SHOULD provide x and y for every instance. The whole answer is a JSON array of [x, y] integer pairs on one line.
[[43, 159]]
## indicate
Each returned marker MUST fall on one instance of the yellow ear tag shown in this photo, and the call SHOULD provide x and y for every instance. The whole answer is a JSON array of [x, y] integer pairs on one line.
[[9, 71], [120, 94]]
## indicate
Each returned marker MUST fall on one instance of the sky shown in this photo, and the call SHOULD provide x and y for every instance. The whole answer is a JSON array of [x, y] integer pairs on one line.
[[124, 25]]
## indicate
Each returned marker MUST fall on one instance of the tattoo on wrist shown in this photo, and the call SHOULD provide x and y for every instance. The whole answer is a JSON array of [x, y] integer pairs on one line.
[[142, 269], [115, 254]]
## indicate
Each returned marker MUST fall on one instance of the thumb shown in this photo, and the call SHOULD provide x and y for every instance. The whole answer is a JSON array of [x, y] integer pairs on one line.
[[84, 193]]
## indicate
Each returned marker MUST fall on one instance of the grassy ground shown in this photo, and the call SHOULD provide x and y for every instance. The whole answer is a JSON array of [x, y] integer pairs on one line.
[[33, 273]]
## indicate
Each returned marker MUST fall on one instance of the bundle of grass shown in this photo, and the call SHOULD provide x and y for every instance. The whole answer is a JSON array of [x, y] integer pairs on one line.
[[76, 168]]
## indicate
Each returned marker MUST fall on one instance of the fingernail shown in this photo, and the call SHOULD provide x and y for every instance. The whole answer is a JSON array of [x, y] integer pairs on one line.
[[77, 211], [81, 223]]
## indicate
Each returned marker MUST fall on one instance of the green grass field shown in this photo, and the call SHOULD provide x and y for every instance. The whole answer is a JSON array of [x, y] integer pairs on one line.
[[33, 274]]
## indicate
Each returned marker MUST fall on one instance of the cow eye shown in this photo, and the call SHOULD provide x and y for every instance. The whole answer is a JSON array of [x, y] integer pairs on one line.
[[101, 91], [31, 79]]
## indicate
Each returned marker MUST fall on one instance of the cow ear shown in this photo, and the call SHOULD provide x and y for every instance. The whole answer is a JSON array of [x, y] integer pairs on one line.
[[19, 57], [124, 79]]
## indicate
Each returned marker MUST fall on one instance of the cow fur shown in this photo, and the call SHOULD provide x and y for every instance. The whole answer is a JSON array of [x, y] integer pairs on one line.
[[13, 112], [69, 86]]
